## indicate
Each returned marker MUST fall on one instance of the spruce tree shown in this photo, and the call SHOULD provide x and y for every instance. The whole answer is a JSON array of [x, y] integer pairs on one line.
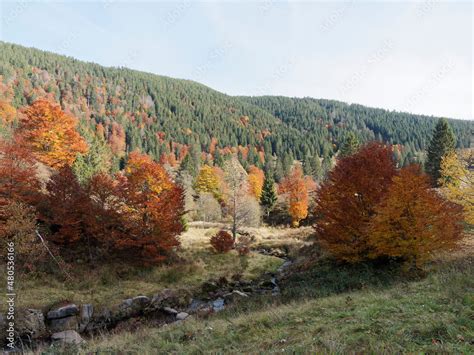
[[268, 197], [350, 145], [442, 143], [317, 170]]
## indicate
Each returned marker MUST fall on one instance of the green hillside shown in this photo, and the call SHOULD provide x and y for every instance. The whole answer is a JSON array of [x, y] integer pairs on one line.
[[161, 115]]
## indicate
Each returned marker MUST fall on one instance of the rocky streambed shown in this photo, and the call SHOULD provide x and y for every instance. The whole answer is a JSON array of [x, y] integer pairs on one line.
[[71, 323]]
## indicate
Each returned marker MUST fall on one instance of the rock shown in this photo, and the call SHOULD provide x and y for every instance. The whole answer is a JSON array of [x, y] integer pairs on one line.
[[218, 305], [85, 316], [248, 289], [99, 320], [267, 284], [170, 310], [67, 337], [182, 316], [140, 301], [209, 286], [160, 298], [62, 324], [62, 312], [30, 323]]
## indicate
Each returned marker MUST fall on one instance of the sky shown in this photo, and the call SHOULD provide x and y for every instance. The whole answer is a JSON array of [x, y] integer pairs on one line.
[[404, 56]]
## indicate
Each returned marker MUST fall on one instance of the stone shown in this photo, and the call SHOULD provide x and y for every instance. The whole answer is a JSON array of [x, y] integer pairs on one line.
[[62, 312], [170, 310], [67, 337], [159, 298], [85, 316], [30, 323], [62, 324], [218, 305], [140, 301], [182, 316]]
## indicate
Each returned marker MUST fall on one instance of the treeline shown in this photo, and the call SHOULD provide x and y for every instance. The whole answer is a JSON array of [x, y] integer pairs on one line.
[[60, 193], [168, 118]]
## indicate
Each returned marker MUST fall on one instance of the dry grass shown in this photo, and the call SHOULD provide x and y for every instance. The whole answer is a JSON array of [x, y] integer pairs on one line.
[[109, 284]]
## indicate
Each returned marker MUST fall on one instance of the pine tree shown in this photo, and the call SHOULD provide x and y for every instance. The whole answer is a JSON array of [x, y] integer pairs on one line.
[[442, 143], [268, 197], [350, 145]]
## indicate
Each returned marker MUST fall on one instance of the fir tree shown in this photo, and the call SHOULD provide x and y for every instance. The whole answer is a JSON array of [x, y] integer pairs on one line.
[[442, 143], [350, 145], [268, 197]]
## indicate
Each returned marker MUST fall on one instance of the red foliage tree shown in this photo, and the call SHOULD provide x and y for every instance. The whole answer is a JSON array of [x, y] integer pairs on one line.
[[18, 180], [347, 201], [222, 242], [413, 220], [65, 208]]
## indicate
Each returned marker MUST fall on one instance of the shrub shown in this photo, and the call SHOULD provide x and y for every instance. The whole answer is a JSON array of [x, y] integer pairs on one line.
[[243, 245], [222, 242]]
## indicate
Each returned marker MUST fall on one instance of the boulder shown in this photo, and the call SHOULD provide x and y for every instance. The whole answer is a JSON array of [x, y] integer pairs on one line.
[[218, 305], [67, 337], [170, 310], [131, 307], [99, 320], [62, 324], [85, 316], [30, 323], [182, 316], [140, 301], [63, 312]]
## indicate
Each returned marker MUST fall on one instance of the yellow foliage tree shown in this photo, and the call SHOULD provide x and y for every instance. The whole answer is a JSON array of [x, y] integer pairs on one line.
[[256, 177], [7, 112], [208, 181], [457, 182]]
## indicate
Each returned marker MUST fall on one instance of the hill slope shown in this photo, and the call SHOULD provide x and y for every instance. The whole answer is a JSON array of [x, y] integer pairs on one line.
[[161, 115]]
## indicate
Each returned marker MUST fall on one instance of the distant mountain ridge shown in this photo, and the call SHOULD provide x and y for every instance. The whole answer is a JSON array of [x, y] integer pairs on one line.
[[161, 115]]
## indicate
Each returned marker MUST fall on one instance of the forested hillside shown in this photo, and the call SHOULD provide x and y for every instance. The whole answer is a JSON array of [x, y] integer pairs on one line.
[[167, 117]]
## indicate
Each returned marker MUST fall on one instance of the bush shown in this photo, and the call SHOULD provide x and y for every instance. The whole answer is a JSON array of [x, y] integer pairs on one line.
[[222, 242], [243, 245]]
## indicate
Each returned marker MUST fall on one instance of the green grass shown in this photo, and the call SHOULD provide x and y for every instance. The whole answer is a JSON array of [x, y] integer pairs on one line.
[[331, 308]]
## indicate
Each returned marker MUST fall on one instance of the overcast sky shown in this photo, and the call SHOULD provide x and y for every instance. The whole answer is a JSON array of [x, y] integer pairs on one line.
[[405, 56]]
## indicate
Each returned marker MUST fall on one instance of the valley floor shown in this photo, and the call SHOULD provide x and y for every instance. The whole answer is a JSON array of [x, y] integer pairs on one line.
[[331, 308], [323, 308]]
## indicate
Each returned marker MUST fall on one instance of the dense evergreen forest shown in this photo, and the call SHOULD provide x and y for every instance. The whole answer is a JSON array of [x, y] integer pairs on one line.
[[169, 118]]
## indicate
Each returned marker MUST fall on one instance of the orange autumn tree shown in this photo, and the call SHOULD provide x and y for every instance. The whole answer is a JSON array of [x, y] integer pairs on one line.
[[51, 134], [255, 177], [413, 221], [153, 206], [296, 189], [347, 200]]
